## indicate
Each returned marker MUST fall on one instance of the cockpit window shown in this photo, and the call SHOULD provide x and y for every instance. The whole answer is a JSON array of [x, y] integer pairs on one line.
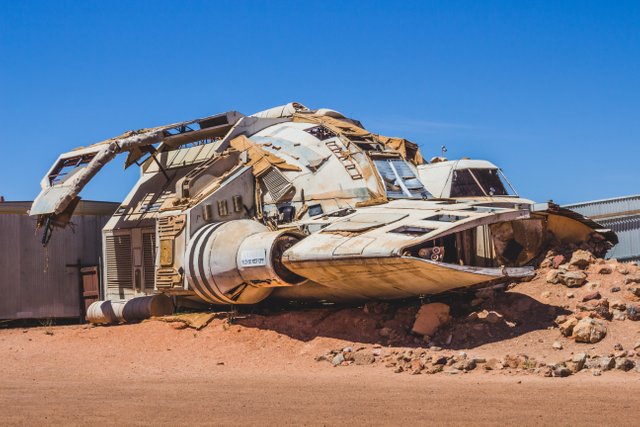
[[399, 179], [479, 183]]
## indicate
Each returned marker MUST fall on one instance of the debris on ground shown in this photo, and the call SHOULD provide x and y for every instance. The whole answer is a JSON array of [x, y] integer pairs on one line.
[[585, 316], [196, 321]]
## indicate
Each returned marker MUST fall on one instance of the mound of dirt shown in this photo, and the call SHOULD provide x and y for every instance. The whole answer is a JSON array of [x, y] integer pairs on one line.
[[578, 312]]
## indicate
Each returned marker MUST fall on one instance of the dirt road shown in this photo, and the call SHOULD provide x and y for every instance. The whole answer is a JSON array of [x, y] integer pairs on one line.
[[152, 374], [332, 398]]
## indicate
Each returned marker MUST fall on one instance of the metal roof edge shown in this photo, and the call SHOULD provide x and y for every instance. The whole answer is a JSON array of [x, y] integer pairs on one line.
[[612, 199]]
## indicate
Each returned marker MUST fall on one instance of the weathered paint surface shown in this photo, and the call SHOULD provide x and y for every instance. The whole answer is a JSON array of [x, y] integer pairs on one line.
[[358, 204]]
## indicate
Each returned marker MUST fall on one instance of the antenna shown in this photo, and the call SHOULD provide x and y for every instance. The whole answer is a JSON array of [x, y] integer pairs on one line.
[[443, 149]]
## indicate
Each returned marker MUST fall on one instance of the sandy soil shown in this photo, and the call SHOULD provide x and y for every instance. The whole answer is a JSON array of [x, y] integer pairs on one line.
[[151, 373], [261, 367]]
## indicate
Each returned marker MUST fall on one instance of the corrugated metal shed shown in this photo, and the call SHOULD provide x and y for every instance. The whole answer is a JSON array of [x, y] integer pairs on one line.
[[37, 282], [622, 215]]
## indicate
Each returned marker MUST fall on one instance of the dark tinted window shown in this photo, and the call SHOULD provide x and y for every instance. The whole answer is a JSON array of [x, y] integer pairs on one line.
[[463, 185]]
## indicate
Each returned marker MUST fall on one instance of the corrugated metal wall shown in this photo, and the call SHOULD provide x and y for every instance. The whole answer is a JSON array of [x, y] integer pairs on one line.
[[621, 215], [607, 207], [37, 282]]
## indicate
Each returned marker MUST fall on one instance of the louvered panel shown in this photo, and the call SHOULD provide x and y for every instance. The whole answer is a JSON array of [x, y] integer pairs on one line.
[[118, 263], [149, 257], [277, 184]]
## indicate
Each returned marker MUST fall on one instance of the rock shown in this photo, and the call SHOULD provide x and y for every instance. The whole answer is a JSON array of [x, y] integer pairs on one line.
[[560, 371], [546, 371], [607, 363], [581, 259], [633, 279], [566, 328], [625, 364], [604, 269], [622, 353], [622, 269], [553, 276], [363, 358], [347, 349], [521, 361], [573, 279], [557, 345], [398, 370], [589, 330], [633, 313], [618, 315], [618, 305], [615, 289], [442, 360], [545, 294], [557, 261], [416, 366], [433, 369], [618, 347], [592, 363], [600, 309], [435, 348], [636, 346], [591, 296], [430, 318], [337, 359], [596, 372], [493, 365], [465, 365], [570, 295], [577, 362], [407, 356]]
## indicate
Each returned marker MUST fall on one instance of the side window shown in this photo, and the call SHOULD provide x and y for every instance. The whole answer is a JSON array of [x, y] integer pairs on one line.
[[464, 185], [399, 179]]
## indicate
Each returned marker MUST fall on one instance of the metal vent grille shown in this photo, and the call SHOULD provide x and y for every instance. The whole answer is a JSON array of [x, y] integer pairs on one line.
[[277, 184], [149, 259], [119, 263]]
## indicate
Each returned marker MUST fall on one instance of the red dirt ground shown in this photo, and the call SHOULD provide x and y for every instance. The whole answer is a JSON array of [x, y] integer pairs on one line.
[[260, 370]]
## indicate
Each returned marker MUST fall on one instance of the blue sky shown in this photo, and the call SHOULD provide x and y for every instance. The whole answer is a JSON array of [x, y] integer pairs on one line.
[[550, 91]]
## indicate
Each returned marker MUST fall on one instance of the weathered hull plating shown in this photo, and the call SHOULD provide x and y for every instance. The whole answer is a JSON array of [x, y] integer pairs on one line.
[[299, 203]]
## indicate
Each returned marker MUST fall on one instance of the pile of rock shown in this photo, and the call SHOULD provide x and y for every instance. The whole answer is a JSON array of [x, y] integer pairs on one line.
[[587, 324], [434, 360], [420, 361], [576, 296], [620, 360], [348, 356]]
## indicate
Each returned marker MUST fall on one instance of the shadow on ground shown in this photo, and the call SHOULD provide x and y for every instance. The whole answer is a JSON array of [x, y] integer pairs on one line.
[[390, 323]]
